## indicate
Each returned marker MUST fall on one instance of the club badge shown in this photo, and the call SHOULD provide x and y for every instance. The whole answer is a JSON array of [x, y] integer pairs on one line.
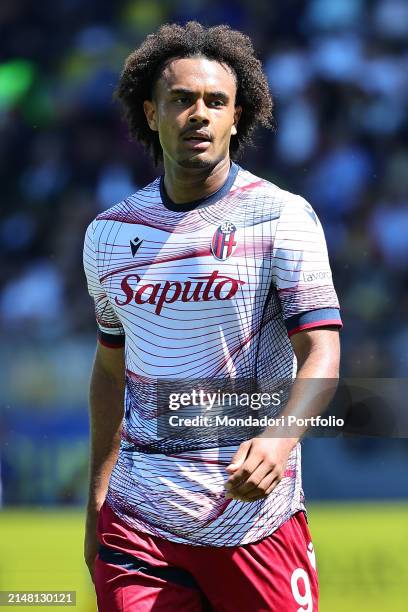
[[223, 243]]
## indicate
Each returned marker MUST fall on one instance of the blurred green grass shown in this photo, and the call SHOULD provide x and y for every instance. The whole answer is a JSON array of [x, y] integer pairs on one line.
[[361, 555]]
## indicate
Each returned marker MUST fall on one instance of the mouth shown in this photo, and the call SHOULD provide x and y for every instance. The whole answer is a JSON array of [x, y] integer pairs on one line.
[[197, 141]]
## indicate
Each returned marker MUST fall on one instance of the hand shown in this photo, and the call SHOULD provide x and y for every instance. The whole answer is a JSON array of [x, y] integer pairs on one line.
[[91, 543], [257, 467]]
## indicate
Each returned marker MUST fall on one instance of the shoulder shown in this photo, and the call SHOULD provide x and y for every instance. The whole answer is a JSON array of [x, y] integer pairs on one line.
[[267, 194], [131, 208]]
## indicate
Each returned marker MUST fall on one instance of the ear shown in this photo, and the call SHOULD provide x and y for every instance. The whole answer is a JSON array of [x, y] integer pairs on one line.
[[237, 115], [149, 108]]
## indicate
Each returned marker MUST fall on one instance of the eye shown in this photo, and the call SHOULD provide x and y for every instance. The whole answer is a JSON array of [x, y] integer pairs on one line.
[[182, 100], [217, 103]]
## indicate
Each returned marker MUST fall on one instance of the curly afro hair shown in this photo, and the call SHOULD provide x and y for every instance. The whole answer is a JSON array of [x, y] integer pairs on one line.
[[144, 66]]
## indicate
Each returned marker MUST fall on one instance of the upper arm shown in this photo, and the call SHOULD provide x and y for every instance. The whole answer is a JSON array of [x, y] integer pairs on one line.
[[110, 362], [301, 270], [110, 329], [323, 345]]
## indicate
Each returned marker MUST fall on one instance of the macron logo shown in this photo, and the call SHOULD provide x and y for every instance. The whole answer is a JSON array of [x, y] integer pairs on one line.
[[134, 245]]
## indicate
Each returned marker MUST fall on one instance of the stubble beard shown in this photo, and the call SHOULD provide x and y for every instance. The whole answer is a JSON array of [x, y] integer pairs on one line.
[[204, 163], [196, 162]]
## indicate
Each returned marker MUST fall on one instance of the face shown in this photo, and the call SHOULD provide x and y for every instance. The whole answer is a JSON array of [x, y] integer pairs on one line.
[[193, 110]]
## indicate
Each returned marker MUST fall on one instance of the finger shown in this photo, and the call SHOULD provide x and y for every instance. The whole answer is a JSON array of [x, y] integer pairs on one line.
[[273, 485], [253, 496], [261, 488], [258, 490], [256, 476], [241, 475], [240, 456], [264, 488]]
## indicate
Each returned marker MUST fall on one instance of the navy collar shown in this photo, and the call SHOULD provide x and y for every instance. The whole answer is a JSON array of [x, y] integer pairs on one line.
[[214, 197]]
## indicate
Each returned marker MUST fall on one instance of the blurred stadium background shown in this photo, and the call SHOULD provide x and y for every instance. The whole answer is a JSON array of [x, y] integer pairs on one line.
[[338, 73]]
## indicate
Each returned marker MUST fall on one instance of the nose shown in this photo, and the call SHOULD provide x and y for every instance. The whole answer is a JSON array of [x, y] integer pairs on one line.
[[199, 113]]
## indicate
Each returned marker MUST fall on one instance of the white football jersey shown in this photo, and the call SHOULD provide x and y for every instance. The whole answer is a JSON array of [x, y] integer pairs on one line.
[[206, 290]]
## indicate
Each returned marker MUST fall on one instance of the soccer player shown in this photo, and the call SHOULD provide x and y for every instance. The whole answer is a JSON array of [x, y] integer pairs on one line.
[[208, 272]]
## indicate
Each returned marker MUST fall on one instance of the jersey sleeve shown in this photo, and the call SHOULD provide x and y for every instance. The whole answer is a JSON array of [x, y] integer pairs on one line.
[[110, 329], [301, 270]]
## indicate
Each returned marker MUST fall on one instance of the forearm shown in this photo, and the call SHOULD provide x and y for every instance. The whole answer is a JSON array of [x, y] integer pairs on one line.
[[259, 464], [106, 416], [312, 389]]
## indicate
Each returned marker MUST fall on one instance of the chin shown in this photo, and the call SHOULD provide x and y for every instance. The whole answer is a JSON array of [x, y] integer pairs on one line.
[[198, 161]]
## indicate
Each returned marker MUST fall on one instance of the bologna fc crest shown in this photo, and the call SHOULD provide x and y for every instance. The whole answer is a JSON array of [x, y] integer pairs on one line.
[[223, 243]]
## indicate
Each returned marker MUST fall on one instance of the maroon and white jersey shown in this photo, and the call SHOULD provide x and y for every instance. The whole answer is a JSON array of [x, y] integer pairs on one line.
[[206, 290]]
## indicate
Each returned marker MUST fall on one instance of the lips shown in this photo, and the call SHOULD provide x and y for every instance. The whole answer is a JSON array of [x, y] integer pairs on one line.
[[197, 136], [197, 141]]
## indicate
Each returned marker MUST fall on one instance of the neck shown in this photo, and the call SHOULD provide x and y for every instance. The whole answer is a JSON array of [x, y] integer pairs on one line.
[[189, 184]]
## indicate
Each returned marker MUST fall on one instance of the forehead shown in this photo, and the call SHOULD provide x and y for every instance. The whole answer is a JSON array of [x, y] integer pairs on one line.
[[196, 73]]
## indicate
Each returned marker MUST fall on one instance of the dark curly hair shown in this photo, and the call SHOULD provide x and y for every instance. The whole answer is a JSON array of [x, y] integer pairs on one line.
[[144, 66]]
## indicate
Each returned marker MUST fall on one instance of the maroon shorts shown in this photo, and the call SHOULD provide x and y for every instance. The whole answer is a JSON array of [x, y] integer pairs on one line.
[[135, 572]]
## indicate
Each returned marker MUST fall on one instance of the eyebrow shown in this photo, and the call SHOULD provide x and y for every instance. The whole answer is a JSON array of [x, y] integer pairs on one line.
[[190, 92]]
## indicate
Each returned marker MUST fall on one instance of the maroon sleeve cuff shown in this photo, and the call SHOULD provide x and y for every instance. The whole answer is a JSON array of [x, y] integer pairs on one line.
[[111, 340], [322, 317]]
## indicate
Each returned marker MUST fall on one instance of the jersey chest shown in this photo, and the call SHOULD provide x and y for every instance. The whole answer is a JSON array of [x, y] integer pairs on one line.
[[156, 273]]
